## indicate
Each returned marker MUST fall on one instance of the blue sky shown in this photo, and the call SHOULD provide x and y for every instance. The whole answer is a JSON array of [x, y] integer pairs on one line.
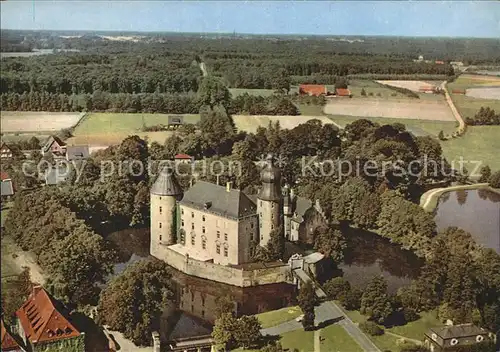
[[404, 18]]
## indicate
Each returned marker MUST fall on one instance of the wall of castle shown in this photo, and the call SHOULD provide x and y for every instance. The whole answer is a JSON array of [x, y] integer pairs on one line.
[[221, 273], [248, 229], [269, 219], [162, 219], [312, 220]]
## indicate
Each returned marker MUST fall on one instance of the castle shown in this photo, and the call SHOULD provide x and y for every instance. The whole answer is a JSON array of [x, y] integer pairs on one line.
[[220, 225]]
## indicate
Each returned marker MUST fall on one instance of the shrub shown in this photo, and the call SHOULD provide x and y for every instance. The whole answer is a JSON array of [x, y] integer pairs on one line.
[[371, 328], [337, 287], [410, 314], [370, 94], [494, 180]]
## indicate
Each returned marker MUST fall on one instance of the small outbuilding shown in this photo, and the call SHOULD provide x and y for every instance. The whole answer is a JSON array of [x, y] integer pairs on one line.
[[313, 89], [449, 338], [343, 92]]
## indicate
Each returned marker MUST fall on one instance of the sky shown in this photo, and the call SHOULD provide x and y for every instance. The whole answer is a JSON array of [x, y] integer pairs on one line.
[[400, 18]]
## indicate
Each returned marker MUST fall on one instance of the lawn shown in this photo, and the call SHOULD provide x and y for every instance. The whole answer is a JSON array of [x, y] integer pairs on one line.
[[479, 143], [299, 339], [336, 339], [279, 316], [418, 127], [123, 122], [417, 329]]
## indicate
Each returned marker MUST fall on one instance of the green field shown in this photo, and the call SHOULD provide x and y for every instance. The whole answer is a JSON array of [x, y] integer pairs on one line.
[[278, 316], [418, 127], [123, 122], [336, 339], [300, 339], [417, 329], [479, 143]]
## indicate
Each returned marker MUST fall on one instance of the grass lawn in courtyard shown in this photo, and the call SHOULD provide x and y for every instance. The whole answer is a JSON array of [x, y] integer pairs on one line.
[[479, 143], [299, 339], [278, 316], [418, 127], [336, 339], [417, 329]]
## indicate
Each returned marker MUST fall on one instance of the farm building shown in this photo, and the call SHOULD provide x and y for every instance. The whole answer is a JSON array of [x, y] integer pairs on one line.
[[439, 62], [427, 89], [458, 91], [343, 92], [312, 89], [6, 152], [54, 145]]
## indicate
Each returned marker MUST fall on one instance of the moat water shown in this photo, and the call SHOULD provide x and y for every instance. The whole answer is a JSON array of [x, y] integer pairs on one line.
[[368, 255], [475, 211]]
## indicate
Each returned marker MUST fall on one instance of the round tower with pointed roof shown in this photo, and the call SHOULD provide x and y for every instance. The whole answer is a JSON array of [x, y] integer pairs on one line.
[[165, 193], [269, 200]]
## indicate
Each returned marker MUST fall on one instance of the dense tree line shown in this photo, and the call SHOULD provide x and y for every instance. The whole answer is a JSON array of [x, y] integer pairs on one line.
[[147, 102], [485, 116]]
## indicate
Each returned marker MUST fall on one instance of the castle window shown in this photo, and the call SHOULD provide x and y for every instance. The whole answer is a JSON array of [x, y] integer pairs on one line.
[[225, 237], [272, 226], [260, 203], [203, 314], [192, 226], [203, 229], [218, 234], [160, 198], [251, 225], [260, 225], [182, 222], [160, 209], [272, 216], [203, 218], [217, 248], [272, 205], [183, 240], [192, 296], [182, 211], [261, 237], [226, 252], [192, 214], [159, 225], [202, 300], [193, 240], [204, 243], [160, 238]]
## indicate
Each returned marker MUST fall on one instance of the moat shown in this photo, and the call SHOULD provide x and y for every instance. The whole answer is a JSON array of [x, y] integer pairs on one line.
[[475, 211], [368, 255]]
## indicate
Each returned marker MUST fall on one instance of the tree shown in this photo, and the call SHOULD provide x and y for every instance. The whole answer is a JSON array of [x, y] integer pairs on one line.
[[272, 347], [213, 92], [485, 173], [330, 242], [248, 332], [441, 135], [363, 92], [276, 244], [224, 331], [133, 302], [371, 328], [78, 263], [352, 299], [223, 305], [494, 180], [15, 294], [307, 300], [337, 287], [375, 301]]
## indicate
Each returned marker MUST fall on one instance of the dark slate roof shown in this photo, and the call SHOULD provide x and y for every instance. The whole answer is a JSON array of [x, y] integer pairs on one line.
[[77, 152], [166, 184], [216, 199], [457, 331], [301, 205], [7, 188]]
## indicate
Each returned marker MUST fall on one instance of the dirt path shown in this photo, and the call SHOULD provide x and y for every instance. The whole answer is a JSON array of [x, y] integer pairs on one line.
[[418, 342], [16, 258], [456, 114], [317, 341], [203, 69]]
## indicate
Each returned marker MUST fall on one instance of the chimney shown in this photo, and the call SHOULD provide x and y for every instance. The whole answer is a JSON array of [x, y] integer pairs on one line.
[[229, 185]]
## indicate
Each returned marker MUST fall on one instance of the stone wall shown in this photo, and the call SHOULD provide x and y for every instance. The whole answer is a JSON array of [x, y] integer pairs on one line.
[[220, 273]]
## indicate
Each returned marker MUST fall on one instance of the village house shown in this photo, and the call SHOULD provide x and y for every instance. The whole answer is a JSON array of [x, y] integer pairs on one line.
[[343, 92], [77, 152], [175, 121], [183, 159], [42, 323], [448, 338], [7, 187], [54, 145], [5, 152], [313, 89]]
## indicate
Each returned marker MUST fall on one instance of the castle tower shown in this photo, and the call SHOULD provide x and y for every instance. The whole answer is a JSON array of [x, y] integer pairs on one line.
[[269, 200], [164, 196], [287, 211]]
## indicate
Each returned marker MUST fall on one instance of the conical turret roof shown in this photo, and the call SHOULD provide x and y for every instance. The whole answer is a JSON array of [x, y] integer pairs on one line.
[[166, 184]]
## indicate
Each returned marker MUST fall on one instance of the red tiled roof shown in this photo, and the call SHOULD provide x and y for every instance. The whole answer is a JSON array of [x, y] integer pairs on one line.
[[343, 92], [41, 321], [312, 89], [439, 62], [426, 88], [4, 176], [8, 342], [182, 156]]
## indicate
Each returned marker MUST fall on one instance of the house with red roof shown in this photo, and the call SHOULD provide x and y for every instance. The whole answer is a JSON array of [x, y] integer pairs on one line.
[[343, 92], [43, 323], [9, 343], [183, 158], [312, 89]]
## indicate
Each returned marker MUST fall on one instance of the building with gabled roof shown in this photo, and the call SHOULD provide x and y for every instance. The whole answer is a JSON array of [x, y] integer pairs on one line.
[[54, 145], [77, 152], [9, 343], [43, 321], [313, 89], [449, 338], [342, 92], [5, 151]]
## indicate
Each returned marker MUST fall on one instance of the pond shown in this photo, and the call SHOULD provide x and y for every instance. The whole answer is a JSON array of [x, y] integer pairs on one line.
[[475, 211]]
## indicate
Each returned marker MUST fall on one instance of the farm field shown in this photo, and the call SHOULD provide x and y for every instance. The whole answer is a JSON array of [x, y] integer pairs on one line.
[[484, 93], [411, 85], [24, 121], [479, 143], [249, 123], [410, 109], [417, 127], [468, 106]]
